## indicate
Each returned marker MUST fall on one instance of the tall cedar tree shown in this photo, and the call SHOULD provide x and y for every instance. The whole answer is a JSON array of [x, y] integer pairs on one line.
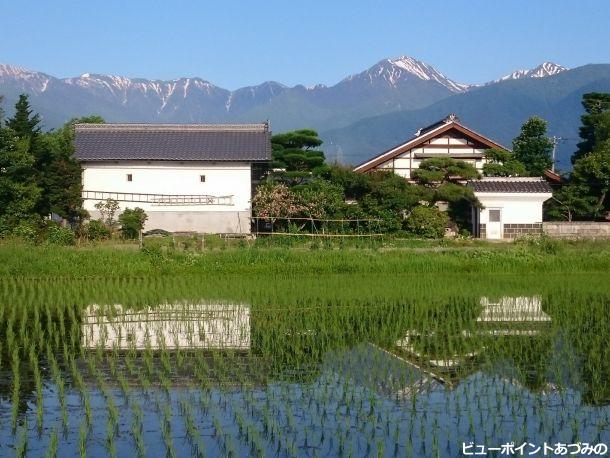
[[25, 124], [533, 148], [587, 195], [595, 123]]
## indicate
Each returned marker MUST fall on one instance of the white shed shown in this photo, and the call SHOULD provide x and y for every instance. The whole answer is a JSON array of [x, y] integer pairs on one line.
[[512, 206], [188, 177]]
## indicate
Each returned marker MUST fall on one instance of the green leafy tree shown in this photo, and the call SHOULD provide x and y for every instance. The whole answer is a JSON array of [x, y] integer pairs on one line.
[[533, 148], [592, 175], [502, 163], [319, 199], [391, 199], [63, 184], [132, 222], [444, 177], [428, 222], [295, 157], [19, 192], [108, 209], [570, 202], [355, 185], [595, 123]]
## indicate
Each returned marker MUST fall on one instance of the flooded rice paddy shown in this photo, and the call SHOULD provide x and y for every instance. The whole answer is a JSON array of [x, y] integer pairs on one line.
[[99, 369]]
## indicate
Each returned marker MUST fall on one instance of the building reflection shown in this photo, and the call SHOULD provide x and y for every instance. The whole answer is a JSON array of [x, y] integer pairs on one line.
[[450, 357], [167, 326]]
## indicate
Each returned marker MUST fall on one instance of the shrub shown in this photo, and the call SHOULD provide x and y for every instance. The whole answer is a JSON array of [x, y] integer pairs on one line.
[[428, 222], [132, 222], [542, 243], [96, 230], [57, 235], [26, 231]]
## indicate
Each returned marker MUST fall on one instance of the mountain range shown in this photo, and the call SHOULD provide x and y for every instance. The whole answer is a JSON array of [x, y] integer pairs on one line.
[[360, 116]]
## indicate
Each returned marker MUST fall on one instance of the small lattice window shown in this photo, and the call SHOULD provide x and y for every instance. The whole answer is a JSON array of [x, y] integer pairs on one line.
[[494, 216], [129, 177], [202, 178]]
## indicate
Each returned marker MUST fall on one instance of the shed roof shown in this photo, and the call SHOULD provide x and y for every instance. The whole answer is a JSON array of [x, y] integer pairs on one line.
[[511, 185], [173, 142]]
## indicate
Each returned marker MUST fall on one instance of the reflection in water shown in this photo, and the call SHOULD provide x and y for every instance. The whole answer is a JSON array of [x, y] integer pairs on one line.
[[504, 316], [171, 326], [315, 381], [512, 309]]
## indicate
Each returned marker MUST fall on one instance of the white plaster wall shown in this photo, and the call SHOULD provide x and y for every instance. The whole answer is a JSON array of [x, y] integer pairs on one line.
[[221, 179], [517, 208]]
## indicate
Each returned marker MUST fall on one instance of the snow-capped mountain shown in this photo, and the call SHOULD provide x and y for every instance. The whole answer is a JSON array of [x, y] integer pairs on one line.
[[28, 80], [541, 71], [397, 84], [404, 69]]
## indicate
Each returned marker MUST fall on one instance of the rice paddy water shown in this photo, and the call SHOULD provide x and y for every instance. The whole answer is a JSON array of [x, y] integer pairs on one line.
[[293, 362]]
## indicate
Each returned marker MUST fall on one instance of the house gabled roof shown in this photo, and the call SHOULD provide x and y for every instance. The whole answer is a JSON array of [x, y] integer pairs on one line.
[[424, 134], [510, 185], [173, 142]]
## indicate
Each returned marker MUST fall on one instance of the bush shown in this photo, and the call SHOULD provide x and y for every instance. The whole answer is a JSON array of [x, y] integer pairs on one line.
[[542, 243], [26, 231], [132, 222], [57, 235], [428, 222], [96, 230]]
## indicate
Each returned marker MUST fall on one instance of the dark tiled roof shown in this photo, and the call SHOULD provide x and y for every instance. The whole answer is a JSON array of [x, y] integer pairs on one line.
[[173, 142], [447, 119], [508, 185]]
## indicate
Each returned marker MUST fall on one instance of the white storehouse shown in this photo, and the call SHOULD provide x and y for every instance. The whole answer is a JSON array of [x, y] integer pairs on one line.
[[512, 206], [186, 177], [446, 138]]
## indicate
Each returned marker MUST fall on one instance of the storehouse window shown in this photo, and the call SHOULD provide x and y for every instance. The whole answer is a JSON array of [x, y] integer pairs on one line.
[[129, 177], [494, 216], [202, 178]]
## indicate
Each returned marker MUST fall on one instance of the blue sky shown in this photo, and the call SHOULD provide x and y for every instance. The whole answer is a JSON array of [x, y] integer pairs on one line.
[[238, 43]]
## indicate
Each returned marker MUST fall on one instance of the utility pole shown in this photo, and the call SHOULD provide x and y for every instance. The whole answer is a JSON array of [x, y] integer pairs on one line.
[[555, 140]]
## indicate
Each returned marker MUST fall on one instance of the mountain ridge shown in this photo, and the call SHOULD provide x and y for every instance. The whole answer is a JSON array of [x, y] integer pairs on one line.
[[391, 84]]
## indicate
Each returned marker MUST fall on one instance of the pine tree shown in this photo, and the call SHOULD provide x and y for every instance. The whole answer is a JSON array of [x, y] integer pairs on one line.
[[533, 148], [295, 153]]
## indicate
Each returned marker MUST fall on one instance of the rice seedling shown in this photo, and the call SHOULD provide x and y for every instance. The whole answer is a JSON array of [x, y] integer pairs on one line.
[[83, 433], [22, 445], [53, 443], [16, 393]]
